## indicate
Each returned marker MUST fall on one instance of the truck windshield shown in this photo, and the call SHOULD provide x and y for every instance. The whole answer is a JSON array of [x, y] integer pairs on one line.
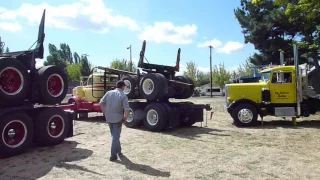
[[265, 76]]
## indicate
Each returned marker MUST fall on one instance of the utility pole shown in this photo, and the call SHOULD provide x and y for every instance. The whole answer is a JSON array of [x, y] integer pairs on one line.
[[130, 63], [210, 70]]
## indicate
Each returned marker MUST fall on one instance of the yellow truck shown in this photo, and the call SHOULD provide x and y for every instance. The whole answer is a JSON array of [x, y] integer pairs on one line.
[[86, 97], [282, 91]]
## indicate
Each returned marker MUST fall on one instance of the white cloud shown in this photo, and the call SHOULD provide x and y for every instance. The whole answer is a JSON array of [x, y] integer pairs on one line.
[[214, 43], [83, 15], [10, 26], [230, 47], [169, 33]]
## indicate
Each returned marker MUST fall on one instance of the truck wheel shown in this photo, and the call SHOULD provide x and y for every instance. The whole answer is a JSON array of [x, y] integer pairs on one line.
[[245, 115], [16, 134], [180, 92], [136, 116], [156, 117], [14, 81], [52, 126], [167, 108], [164, 91], [53, 84], [151, 86], [130, 82], [191, 91]]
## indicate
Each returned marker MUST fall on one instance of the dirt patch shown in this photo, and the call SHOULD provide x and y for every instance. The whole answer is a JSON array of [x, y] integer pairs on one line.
[[218, 151]]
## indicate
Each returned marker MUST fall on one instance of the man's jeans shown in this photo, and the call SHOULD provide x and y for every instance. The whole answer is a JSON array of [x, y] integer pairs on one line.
[[115, 130]]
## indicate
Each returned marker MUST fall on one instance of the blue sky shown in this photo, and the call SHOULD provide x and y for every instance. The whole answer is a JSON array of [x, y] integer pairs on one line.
[[104, 29]]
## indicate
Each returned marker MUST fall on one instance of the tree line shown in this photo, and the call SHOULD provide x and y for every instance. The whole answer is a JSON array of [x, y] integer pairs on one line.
[[220, 75]]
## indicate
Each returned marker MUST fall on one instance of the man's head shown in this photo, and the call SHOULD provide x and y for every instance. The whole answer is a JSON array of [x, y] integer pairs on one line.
[[121, 84]]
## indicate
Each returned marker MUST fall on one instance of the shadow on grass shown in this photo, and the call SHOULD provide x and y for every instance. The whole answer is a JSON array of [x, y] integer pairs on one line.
[[141, 168], [273, 124], [194, 132], [37, 162]]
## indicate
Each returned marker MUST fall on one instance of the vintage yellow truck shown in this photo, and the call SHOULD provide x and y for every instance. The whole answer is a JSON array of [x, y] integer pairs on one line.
[[282, 91], [86, 97]]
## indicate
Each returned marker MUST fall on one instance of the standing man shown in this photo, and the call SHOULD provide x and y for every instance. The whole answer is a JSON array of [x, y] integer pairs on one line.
[[115, 106]]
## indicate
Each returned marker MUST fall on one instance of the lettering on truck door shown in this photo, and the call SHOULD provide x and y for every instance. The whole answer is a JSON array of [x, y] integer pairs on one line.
[[283, 92]]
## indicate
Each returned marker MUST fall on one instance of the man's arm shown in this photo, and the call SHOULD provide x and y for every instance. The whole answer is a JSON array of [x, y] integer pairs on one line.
[[125, 105], [103, 103]]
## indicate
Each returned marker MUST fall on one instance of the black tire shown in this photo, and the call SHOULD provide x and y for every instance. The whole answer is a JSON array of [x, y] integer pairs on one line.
[[131, 82], [246, 108], [160, 114], [52, 125], [164, 91], [191, 91], [55, 91], [167, 108], [14, 81], [136, 116], [180, 92], [15, 123], [155, 88]]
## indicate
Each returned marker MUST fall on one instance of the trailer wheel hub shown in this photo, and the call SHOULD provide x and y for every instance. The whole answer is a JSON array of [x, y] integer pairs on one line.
[[131, 115], [127, 88], [11, 133], [148, 86], [56, 126], [55, 85], [53, 125], [11, 81], [245, 115], [152, 117], [14, 134]]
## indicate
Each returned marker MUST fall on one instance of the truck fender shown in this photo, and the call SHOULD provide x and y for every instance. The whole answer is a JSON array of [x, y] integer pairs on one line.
[[243, 101]]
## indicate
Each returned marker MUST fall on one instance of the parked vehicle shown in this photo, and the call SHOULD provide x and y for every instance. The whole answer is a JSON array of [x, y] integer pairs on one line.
[[282, 91], [149, 95], [28, 98]]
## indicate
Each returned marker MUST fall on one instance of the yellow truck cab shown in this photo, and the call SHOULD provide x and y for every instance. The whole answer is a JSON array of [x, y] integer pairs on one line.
[[92, 89], [281, 92]]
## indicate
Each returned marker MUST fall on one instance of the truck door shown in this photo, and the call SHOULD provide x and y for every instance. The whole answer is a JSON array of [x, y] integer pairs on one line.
[[284, 91]]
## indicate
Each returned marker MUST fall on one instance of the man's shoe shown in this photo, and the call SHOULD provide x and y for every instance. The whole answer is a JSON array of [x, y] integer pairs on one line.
[[113, 158]]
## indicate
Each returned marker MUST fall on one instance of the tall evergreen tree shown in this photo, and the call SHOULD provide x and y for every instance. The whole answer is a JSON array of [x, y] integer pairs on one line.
[[266, 26]]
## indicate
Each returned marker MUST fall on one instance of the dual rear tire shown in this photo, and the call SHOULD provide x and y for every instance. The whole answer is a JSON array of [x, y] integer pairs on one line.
[[18, 130], [153, 116], [183, 92], [48, 86], [152, 86]]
